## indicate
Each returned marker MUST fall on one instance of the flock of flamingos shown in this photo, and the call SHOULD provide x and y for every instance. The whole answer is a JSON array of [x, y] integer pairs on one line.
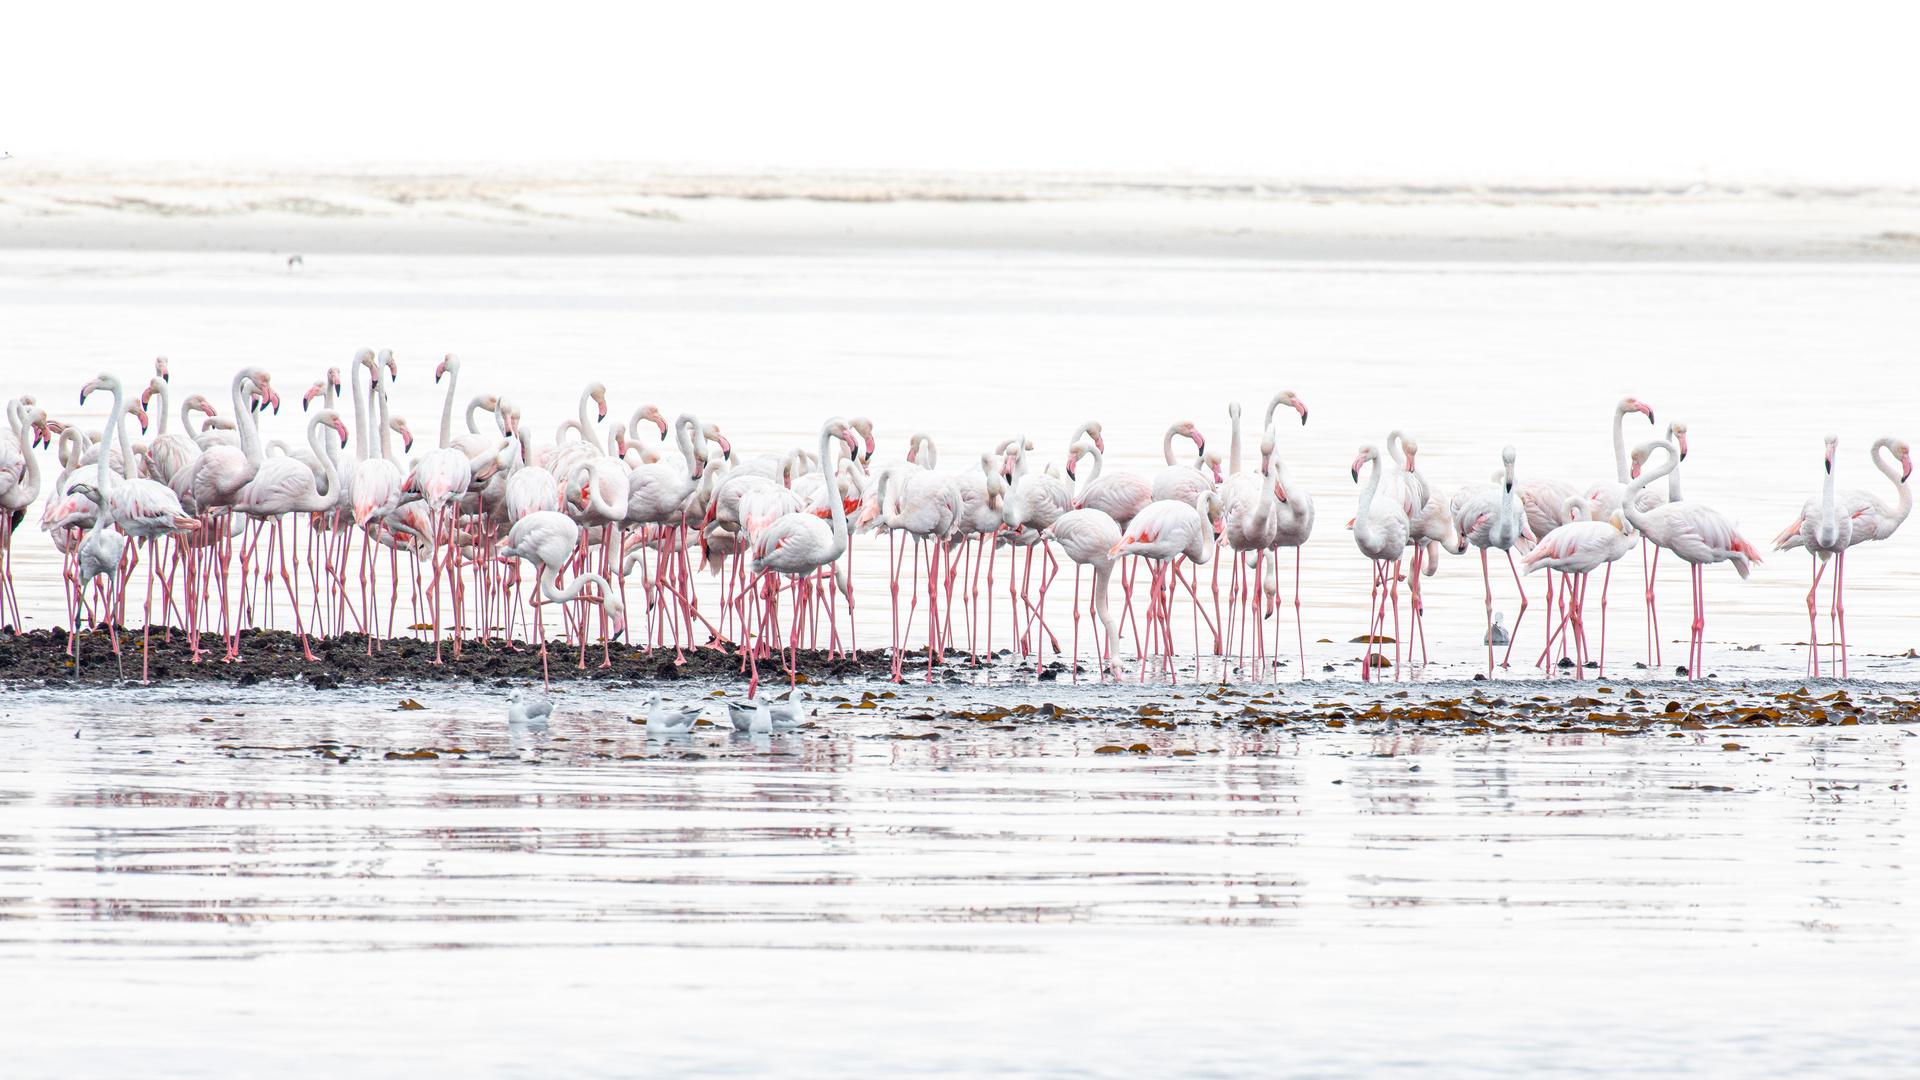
[[235, 527]]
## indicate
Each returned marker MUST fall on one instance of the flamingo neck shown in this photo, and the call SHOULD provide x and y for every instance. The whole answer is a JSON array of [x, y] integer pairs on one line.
[[1233, 445], [359, 413], [1363, 514], [243, 420], [166, 407], [1620, 469], [828, 471], [446, 407]]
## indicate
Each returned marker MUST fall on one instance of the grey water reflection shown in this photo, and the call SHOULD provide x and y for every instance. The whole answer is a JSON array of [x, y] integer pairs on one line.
[[850, 887]]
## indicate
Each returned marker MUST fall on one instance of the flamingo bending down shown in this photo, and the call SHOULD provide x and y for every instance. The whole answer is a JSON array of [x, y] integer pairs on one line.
[[1696, 534], [1165, 532], [1086, 537], [548, 539], [1576, 549]]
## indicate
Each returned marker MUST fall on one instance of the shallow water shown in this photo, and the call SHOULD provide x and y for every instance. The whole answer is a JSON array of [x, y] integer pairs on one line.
[[193, 884], [1760, 361]]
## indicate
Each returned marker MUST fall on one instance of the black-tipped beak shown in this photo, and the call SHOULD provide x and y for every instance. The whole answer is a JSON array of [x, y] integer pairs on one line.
[[1070, 475], [1303, 418], [166, 377], [1829, 467], [663, 435], [1356, 476], [1650, 418]]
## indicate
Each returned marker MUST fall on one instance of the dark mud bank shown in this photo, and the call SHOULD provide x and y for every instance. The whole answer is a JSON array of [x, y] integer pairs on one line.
[[42, 657]]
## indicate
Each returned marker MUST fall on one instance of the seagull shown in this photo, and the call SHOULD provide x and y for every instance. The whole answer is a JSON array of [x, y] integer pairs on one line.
[[524, 713], [780, 715], [665, 719], [1497, 635]]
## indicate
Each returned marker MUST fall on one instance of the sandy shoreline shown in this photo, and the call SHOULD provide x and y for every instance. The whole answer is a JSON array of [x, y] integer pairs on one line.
[[700, 214]]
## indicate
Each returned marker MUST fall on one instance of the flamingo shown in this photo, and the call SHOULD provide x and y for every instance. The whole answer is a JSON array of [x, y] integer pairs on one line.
[[1865, 517], [141, 508], [1179, 482], [1086, 537], [1697, 534], [1164, 532], [548, 538], [1576, 549], [1490, 516], [1380, 530], [286, 485], [799, 544]]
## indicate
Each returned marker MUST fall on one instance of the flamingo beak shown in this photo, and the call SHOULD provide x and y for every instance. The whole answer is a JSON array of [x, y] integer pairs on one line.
[[1302, 407], [1683, 448], [341, 427], [1634, 474], [1070, 475], [1907, 461], [1645, 408]]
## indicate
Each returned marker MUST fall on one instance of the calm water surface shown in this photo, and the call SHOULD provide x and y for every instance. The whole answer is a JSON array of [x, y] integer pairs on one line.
[[194, 885]]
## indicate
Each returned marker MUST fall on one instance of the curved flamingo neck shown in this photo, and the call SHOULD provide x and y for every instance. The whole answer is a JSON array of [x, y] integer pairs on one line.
[[1629, 502], [329, 492], [685, 427], [1086, 482], [166, 407], [1363, 529], [244, 422], [1888, 466], [586, 424], [101, 470], [828, 475]]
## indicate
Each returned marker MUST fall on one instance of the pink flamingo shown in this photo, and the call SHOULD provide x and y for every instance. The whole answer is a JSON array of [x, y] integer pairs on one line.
[[548, 539], [1165, 532], [286, 485], [799, 545], [1868, 519], [1696, 534], [1087, 537], [1380, 530], [1490, 516], [1575, 550]]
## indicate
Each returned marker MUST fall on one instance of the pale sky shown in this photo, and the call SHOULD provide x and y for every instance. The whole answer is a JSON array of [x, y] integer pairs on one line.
[[1411, 91]]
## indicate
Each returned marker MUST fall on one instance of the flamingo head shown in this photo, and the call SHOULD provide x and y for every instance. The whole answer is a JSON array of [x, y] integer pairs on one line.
[[333, 377], [86, 491], [197, 403], [1099, 441], [598, 393], [1630, 404], [451, 361], [406, 435], [1833, 443], [1291, 400], [1367, 453], [317, 390], [1906, 461], [865, 427], [712, 432], [1677, 433], [101, 383], [139, 413], [160, 368], [853, 443], [339, 426], [616, 615], [385, 359], [1212, 461], [653, 413], [1073, 456], [1191, 431], [1279, 489]]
